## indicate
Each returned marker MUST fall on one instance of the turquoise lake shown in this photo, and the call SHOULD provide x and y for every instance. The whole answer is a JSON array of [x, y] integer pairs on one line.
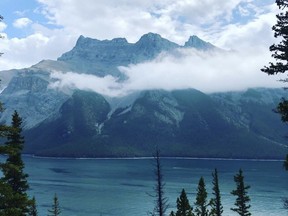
[[123, 187]]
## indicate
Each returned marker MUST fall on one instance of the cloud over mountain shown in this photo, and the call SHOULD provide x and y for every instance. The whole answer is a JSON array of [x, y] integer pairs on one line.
[[208, 71]]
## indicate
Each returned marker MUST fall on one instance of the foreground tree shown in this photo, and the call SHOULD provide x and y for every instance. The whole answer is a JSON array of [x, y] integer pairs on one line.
[[183, 206], [160, 199], [201, 205], [55, 209], [216, 205], [33, 209], [14, 179], [280, 54], [241, 193]]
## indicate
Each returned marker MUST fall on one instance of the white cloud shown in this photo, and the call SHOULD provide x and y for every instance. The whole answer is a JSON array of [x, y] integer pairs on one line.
[[106, 86], [174, 20], [43, 44], [22, 22], [2, 26], [206, 71], [211, 20], [256, 33]]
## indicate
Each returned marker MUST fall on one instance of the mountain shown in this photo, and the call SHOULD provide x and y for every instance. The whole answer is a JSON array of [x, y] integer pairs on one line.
[[196, 42], [187, 122]]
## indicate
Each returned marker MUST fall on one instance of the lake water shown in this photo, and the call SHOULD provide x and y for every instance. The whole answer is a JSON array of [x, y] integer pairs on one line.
[[121, 187]]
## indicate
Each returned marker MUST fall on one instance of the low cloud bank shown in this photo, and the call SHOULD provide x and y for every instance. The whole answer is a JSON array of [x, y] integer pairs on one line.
[[209, 72]]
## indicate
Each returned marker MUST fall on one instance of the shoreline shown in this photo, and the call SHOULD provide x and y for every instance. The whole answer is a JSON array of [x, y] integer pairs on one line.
[[150, 158]]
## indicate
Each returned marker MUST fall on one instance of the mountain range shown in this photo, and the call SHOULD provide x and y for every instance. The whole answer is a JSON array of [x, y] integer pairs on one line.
[[69, 122]]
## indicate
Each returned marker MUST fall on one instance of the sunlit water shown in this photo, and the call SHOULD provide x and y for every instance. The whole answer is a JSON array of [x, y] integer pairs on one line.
[[123, 187]]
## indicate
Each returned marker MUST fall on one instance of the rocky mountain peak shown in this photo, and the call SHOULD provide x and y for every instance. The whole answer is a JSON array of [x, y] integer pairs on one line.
[[196, 42]]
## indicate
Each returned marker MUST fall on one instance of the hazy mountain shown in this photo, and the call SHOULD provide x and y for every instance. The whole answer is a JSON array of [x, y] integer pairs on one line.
[[68, 122]]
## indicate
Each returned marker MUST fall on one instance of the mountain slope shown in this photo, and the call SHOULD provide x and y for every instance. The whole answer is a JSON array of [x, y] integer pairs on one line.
[[73, 123], [181, 123]]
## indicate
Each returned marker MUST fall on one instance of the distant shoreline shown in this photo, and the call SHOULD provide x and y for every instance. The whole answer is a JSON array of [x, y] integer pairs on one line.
[[149, 158]]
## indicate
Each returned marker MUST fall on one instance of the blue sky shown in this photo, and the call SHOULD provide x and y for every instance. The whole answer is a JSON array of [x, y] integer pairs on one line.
[[44, 29]]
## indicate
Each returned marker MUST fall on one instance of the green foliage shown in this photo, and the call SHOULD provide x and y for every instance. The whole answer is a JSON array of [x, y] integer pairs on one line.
[[280, 53], [55, 209], [201, 199], [13, 169], [14, 199], [183, 205], [216, 205], [285, 164], [282, 109], [172, 213], [280, 50], [33, 208], [241, 193]]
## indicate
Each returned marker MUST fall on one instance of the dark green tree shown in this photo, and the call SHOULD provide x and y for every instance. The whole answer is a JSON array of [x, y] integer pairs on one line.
[[201, 205], [33, 208], [241, 193], [160, 199], [55, 209], [280, 50], [183, 206], [280, 54], [13, 171], [285, 164], [172, 213], [216, 205]]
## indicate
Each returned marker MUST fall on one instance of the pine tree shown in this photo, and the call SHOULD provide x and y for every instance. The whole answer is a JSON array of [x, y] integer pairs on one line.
[[285, 164], [241, 193], [13, 169], [55, 209], [201, 199], [33, 208], [183, 205], [216, 206], [161, 201], [14, 179], [172, 213], [280, 54], [280, 50]]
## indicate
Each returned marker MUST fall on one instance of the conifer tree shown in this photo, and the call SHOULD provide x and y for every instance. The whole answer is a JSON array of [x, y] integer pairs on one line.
[[55, 209], [201, 205], [285, 164], [33, 209], [13, 169], [161, 201], [172, 213], [280, 54], [241, 193], [183, 206], [216, 205], [14, 180]]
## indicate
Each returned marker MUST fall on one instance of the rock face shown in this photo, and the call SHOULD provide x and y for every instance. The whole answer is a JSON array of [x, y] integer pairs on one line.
[[186, 122], [199, 44]]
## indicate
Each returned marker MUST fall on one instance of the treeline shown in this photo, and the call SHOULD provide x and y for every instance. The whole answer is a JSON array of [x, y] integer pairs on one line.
[[213, 207], [202, 205]]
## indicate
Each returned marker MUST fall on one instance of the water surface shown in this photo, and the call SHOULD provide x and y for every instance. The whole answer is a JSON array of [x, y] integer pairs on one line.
[[123, 187]]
